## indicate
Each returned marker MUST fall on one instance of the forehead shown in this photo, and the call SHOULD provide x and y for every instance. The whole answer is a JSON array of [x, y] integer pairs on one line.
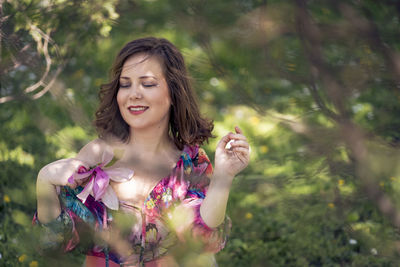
[[142, 65]]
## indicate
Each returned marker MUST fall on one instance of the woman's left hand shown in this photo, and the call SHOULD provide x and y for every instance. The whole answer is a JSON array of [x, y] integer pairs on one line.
[[231, 161]]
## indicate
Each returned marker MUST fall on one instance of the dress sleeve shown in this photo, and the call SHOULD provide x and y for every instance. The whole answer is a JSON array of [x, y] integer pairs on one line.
[[56, 234], [75, 225], [213, 238]]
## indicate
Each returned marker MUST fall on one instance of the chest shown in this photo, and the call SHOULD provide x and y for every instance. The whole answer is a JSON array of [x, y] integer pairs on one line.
[[147, 174]]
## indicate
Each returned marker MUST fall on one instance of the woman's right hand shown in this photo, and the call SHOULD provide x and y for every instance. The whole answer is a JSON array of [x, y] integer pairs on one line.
[[59, 172]]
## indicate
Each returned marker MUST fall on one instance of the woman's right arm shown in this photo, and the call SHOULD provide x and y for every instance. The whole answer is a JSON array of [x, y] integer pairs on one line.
[[57, 174]]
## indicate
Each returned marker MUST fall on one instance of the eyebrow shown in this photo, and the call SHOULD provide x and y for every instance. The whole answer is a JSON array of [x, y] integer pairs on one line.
[[141, 77]]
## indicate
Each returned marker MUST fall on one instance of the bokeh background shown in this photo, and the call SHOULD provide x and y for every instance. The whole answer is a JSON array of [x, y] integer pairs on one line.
[[315, 85]]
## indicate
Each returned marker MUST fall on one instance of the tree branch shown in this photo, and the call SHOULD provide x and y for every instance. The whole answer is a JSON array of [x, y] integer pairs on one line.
[[43, 48], [352, 135], [42, 41]]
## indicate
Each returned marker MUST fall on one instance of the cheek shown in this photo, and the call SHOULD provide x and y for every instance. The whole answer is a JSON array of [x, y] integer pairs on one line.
[[120, 98], [166, 103], [121, 103], [167, 100], [167, 97]]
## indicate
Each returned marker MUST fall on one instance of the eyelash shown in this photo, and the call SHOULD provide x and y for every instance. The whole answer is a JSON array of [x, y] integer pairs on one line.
[[144, 85], [149, 85]]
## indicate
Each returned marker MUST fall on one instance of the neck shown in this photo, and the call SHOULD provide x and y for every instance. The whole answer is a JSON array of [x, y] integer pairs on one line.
[[150, 141]]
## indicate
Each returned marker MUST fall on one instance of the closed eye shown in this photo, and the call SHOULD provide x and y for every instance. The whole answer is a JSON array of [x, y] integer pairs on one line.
[[124, 85], [147, 85]]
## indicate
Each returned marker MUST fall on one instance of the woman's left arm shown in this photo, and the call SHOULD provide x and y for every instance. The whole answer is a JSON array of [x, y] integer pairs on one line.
[[228, 163]]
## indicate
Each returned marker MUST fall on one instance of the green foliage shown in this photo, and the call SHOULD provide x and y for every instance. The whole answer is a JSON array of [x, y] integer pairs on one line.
[[308, 99]]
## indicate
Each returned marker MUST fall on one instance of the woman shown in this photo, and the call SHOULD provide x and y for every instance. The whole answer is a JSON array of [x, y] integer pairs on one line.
[[146, 163]]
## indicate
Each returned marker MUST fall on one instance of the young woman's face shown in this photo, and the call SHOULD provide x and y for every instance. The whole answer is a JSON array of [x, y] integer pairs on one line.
[[143, 97]]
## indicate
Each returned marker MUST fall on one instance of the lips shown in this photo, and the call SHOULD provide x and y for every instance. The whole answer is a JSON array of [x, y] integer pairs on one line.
[[136, 110]]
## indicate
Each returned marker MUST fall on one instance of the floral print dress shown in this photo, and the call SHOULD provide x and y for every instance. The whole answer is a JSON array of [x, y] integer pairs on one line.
[[170, 211]]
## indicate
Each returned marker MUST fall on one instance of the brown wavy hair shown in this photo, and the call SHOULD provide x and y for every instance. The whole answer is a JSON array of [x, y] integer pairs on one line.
[[186, 125]]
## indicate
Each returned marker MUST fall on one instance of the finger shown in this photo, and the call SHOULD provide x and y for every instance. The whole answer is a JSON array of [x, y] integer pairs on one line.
[[71, 182], [237, 136], [83, 182], [240, 143], [78, 164], [238, 130], [241, 150], [224, 141], [242, 154]]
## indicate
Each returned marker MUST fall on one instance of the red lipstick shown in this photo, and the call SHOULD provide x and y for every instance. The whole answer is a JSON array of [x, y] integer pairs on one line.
[[137, 110]]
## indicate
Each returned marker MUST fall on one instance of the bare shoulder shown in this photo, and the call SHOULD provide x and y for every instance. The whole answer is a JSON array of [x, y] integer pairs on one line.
[[92, 152]]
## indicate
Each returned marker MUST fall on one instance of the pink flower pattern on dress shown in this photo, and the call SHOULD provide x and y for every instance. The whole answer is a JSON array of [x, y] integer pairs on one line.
[[99, 181]]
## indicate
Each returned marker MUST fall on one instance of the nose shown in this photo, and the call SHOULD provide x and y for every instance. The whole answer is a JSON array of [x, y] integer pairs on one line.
[[135, 92]]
